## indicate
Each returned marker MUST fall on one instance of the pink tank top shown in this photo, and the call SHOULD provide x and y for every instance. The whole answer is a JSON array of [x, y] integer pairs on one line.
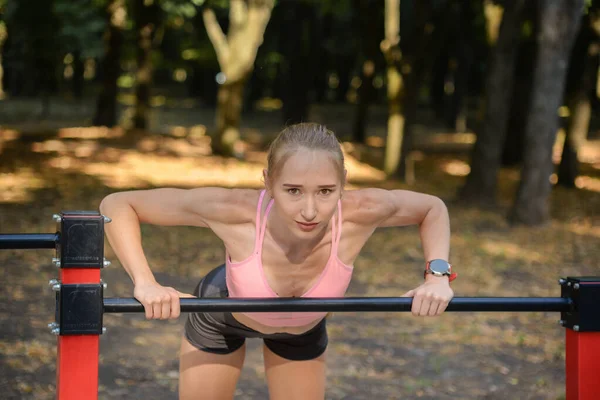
[[247, 279]]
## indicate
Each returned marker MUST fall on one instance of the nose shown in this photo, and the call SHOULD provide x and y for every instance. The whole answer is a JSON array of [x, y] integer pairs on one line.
[[309, 209]]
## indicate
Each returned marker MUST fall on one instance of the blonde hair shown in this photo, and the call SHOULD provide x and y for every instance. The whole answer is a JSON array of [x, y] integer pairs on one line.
[[304, 135]]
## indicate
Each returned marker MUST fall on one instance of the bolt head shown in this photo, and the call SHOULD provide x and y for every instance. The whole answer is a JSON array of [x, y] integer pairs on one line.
[[56, 331], [56, 217], [562, 322], [562, 281], [576, 286], [576, 328], [103, 329], [107, 220], [106, 263]]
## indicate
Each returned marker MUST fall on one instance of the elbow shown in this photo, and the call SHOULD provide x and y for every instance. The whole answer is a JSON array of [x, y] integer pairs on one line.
[[108, 203], [440, 205], [437, 211]]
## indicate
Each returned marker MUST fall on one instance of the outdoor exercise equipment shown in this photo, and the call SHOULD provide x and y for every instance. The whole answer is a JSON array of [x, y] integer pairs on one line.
[[80, 305]]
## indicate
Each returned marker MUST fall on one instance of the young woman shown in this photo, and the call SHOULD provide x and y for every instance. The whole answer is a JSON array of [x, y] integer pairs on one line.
[[297, 237]]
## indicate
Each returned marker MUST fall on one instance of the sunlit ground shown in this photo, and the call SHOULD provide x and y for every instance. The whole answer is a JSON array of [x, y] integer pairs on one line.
[[164, 160]]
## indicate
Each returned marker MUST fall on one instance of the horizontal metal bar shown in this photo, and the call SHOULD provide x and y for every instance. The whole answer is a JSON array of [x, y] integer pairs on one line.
[[480, 304], [28, 240]]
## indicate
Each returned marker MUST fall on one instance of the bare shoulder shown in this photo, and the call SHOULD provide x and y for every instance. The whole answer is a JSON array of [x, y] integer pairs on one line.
[[225, 205], [367, 207], [381, 207], [205, 206]]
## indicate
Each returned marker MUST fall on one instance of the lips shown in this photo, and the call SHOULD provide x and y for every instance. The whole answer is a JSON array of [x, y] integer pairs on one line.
[[307, 226]]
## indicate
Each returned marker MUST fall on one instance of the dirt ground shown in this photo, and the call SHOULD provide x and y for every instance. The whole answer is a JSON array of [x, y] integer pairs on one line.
[[370, 355]]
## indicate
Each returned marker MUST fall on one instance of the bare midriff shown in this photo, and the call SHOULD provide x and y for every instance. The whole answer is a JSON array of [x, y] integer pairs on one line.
[[257, 326]]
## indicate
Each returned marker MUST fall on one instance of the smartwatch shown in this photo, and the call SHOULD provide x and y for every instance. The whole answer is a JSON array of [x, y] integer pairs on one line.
[[439, 267]]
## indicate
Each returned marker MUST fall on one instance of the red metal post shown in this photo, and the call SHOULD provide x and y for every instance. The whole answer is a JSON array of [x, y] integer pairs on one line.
[[78, 355], [80, 255], [583, 365]]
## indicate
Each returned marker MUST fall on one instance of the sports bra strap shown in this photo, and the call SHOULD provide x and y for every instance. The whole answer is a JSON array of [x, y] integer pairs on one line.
[[258, 211], [263, 226], [337, 229]]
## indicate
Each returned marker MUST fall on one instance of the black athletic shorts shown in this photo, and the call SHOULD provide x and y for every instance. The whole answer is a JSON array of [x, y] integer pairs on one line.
[[220, 333]]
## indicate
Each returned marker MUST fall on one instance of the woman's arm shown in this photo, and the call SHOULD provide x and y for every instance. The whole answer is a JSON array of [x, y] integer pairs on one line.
[[386, 208], [205, 207], [429, 212], [192, 207]]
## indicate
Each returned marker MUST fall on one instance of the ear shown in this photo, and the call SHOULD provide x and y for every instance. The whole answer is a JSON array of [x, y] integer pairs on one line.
[[266, 180], [344, 182]]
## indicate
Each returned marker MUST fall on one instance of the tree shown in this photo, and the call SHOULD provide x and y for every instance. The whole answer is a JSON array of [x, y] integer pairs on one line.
[[481, 183], [580, 85], [236, 53], [407, 64], [80, 35], [367, 28], [390, 46], [106, 105], [2, 39], [146, 16], [559, 21], [296, 30]]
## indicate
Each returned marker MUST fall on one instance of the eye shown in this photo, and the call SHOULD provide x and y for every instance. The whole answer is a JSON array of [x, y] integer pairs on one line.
[[294, 191], [325, 192]]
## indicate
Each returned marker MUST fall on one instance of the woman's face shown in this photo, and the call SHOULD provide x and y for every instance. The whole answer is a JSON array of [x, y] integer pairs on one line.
[[306, 191]]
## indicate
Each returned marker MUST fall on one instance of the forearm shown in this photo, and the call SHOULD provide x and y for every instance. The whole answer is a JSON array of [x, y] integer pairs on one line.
[[124, 236], [435, 233]]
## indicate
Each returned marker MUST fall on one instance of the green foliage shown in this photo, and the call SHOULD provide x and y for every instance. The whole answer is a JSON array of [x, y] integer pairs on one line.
[[32, 27], [81, 26]]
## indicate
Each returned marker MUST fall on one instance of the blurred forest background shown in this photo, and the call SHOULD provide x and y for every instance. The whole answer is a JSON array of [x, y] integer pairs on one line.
[[490, 104], [513, 78]]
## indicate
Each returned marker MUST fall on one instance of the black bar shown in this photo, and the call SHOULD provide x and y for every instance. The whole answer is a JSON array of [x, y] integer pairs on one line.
[[480, 304], [28, 240]]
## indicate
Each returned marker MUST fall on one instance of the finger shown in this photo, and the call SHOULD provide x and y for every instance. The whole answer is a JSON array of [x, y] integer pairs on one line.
[[443, 307], [165, 307], [181, 294], [156, 309], [148, 310], [417, 304], [410, 293], [175, 306], [435, 305], [425, 306]]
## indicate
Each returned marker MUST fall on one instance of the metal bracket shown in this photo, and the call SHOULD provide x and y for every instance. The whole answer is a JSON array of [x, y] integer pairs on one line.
[[585, 294], [79, 309], [81, 242]]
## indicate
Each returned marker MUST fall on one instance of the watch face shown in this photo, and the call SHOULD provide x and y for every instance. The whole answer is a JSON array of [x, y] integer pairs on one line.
[[439, 266]]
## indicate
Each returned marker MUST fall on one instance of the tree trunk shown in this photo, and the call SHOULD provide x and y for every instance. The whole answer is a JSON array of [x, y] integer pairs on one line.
[[581, 75], [78, 71], [512, 152], [559, 21], [295, 44], [366, 92], [230, 98], [146, 20], [236, 54], [106, 106], [395, 84], [3, 35], [480, 186]]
